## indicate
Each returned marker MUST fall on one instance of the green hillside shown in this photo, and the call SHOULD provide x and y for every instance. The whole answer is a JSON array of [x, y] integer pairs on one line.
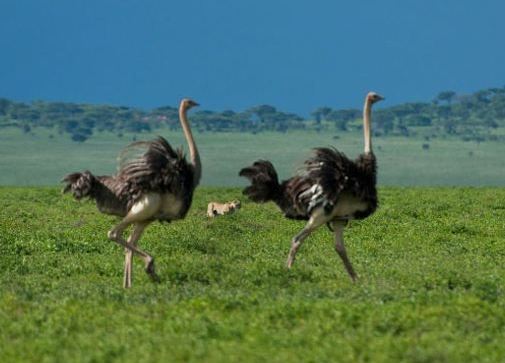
[[477, 116]]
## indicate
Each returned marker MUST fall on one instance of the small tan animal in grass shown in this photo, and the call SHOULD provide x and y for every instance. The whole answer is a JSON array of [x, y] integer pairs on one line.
[[216, 209]]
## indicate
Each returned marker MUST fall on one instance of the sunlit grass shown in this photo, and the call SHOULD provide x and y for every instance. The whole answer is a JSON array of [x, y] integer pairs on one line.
[[431, 282]]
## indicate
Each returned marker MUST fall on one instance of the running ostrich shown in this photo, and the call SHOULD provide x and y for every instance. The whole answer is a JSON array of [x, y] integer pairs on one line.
[[157, 185], [329, 188]]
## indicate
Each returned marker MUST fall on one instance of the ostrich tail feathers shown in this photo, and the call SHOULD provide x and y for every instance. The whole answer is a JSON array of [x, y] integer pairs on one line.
[[79, 184], [264, 182]]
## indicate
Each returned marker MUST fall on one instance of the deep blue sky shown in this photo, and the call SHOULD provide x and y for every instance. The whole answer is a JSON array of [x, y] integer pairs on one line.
[[293, 54]]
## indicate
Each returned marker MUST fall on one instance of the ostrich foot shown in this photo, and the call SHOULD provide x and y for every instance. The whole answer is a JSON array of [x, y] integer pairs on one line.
[[127, 279], [354, 277], [290, 262], [292, 254], [127, 284], [150, 270]]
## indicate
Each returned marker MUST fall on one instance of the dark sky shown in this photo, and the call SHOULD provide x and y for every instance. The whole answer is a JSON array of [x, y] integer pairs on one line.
[[233, 54]]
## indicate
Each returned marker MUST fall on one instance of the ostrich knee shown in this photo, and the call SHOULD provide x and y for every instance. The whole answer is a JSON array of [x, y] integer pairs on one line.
[[115, 233], [112, 235]]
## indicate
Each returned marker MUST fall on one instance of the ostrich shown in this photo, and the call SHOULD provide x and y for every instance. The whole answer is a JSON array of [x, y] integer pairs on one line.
[[157, 185], [329, 188]]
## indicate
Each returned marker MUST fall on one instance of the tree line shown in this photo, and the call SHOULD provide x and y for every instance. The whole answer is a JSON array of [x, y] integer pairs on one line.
[[473, 116]]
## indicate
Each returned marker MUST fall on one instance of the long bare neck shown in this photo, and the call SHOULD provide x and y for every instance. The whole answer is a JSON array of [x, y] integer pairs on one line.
[[193, 151], [367, 129]]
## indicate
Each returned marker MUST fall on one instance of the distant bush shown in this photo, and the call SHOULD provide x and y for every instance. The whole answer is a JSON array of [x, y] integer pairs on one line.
[[470, 117]]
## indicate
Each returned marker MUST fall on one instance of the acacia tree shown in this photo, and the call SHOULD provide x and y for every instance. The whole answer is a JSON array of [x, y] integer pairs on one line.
[[321, 113], [446, 96]]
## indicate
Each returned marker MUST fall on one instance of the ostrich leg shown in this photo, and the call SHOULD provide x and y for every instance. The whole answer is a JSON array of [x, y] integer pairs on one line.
[[115, 235], [127, 275], [140, 215], [338, 227], [317, 219], [148, 259], [138, 229]]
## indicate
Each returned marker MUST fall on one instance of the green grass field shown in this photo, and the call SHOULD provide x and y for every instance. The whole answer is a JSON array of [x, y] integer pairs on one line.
[[38, 160], [431, 282]]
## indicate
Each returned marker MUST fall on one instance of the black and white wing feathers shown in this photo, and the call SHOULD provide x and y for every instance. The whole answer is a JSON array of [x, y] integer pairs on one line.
[[325, 176]]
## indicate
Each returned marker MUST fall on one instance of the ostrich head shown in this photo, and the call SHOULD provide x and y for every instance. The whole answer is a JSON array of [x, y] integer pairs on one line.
[[373, 97], [188, 103]]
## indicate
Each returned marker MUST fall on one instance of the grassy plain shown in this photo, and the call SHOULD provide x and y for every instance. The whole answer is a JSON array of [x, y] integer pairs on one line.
[[36, 159], [431, 283]]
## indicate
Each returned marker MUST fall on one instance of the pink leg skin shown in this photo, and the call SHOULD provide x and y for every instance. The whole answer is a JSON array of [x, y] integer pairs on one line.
[[317, 219], [138, 229], [338, 227], [115, 235], [140, 215]]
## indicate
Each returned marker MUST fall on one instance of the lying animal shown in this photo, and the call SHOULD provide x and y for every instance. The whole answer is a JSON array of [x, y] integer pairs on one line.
[[215, 208]]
